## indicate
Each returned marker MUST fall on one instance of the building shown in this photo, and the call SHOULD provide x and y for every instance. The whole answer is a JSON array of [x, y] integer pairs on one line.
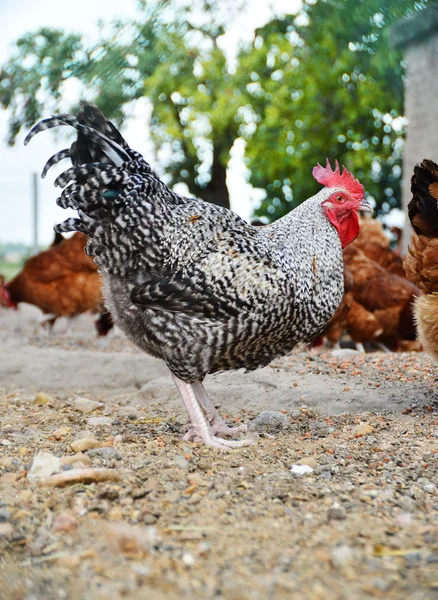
[[417, 36]]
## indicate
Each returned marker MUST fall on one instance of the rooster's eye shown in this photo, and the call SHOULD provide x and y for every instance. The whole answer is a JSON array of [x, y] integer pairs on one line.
[[340, 198]]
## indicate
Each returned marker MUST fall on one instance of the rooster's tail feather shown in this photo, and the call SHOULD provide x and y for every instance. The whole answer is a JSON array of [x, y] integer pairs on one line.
[[423, 208]]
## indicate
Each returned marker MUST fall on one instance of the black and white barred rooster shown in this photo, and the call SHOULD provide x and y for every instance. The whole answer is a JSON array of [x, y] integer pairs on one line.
[[192, 283]]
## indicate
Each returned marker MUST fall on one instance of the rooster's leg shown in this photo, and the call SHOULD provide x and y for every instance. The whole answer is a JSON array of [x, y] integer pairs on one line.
[[216, 423], [201, 429]]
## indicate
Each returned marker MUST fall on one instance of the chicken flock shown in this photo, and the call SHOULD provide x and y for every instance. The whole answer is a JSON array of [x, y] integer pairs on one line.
[[196, 286]]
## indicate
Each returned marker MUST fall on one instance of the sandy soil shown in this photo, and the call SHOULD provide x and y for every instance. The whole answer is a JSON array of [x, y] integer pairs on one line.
[[178, 520]]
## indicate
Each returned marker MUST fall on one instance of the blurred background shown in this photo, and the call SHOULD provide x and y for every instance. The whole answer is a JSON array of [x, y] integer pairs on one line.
[[233, 102]]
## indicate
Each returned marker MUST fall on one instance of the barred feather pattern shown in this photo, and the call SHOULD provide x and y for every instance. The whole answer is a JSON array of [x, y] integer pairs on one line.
[[191, 282]]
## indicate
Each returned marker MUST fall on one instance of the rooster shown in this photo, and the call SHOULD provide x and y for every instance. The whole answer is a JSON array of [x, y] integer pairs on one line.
[[421, 262], [62, 281], [193, 283]]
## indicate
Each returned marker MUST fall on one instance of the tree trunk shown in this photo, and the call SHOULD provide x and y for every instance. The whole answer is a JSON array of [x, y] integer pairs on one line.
[[216, 190]]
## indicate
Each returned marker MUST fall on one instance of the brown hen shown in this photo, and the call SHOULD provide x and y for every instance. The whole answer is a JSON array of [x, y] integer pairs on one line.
[[421, 263], [62, 281], [387, 296]]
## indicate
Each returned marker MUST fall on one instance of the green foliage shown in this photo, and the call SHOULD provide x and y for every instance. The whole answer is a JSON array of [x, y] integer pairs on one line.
[[326, 84], [321, 84]]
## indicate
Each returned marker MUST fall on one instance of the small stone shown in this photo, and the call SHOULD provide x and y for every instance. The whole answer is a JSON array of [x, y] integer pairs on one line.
[[70, 561], [6, 529], [61, 432], [64, 522], [301, 470], [429, 488], [118, 438], [188, 559], [107, 452], [44, 465], [23, 496], [5, 515], [115, 513], [336, 514], [404, 519], [307, 460], [81, 476], [76, 458], [345, 353], [342, 556], [128, 539], [10, 477], [412, 559], [99, 421], [85, 405], [269, 421], [132, 412], [5, 442], [41, 399], [83, 444], [181, 462], [362, 429]]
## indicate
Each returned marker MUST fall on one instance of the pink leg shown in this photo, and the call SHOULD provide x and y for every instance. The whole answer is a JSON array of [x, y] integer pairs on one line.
[[216, 423], [201, 429]]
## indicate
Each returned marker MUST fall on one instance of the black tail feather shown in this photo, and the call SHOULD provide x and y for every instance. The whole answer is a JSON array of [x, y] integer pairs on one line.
[[423, 208], [54, 160]]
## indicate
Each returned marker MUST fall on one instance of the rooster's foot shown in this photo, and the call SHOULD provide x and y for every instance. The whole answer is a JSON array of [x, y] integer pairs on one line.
[[194, 435], [201, 430], [219, 427]]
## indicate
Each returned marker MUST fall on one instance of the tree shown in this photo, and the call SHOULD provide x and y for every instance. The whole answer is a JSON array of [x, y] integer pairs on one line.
[[176, 64], [321, 84], [326, 84]]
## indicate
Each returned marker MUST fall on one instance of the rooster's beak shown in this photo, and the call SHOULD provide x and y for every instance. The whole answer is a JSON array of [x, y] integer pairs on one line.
[[365, 206]]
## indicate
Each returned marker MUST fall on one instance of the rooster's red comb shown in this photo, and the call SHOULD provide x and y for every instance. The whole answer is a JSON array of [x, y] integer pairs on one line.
[[325, 176]]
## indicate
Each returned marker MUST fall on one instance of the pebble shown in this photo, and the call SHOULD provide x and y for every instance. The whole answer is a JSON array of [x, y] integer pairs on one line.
[[5, 529], [181, 462], [64, 522], [24, 496], [75, 458], [345, 353], [83, 444], [362, 429], [301, 469], [336, 514], [44, 465], [62, 431], [5, 515], [307, 460], [128, 539], [41, 399], [342, 556], [85, 405], [71, 561], [107, 452], [269, 421], [81, 476], [429, 488], [99, 421], [132, 412]]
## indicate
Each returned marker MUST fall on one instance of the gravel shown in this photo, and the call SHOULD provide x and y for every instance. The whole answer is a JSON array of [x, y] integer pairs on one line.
[[141, 514]]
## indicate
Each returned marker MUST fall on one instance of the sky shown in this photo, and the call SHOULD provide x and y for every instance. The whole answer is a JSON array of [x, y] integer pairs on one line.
[[17, 164]]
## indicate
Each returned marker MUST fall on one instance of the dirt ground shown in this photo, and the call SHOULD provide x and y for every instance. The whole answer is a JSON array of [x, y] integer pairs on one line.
[[141, 514]]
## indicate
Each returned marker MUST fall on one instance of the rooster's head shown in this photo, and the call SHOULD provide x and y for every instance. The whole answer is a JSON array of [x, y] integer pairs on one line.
[[343, 198]]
